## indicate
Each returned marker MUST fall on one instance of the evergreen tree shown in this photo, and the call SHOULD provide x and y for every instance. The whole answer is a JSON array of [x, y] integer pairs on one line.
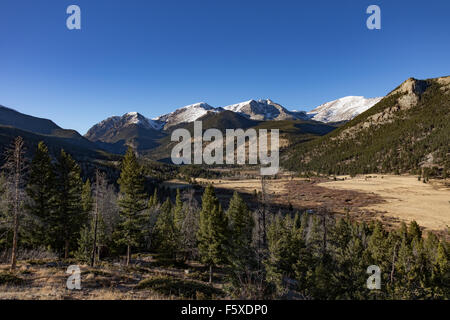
[[41, 191], [414, 231], [131, 201], [86, 234], [86, 197], [93, 233], [178, 211], [153, 201], [241, 225], [212, 233], [69, 215], [165, 231]]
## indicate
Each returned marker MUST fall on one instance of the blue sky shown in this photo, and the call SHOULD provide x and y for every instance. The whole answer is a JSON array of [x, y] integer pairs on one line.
[[154, 56]]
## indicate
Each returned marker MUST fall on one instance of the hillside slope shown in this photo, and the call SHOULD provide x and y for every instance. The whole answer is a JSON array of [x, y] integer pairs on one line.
[[13, 122], [13, 118], [407, 131]]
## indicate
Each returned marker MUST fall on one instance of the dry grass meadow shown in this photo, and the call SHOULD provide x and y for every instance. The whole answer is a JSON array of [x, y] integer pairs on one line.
[[405, 198], [389, 198]]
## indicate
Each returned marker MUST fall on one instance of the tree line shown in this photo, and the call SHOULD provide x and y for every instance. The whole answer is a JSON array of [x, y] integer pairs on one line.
[[46, 204]]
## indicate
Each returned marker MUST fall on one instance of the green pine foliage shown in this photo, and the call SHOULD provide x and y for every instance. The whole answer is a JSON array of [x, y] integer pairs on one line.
[[212, 234], [165, 231], [241, 226], [41, 192], [412, 267], [132, 202], [68, 217]]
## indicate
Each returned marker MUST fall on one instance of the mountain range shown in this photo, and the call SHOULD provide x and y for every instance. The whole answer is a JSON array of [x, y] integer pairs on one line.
[[110, 130], [116, 133], [406, 130]]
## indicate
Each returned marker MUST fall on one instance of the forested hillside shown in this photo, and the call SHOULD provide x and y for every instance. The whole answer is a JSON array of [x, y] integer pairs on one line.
[[406, 132]]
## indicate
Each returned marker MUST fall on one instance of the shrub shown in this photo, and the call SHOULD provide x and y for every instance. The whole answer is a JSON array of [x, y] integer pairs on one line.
[[182, 288], [10, 279]]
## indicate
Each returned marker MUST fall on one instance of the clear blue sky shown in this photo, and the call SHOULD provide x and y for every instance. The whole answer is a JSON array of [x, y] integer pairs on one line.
[[154, 56]]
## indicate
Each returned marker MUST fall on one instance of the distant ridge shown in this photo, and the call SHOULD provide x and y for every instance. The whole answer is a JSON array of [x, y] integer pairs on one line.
[[408, 131]]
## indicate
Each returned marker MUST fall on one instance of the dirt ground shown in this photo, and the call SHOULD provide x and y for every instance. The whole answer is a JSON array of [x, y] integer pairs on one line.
[[47, 280], [404, 197]]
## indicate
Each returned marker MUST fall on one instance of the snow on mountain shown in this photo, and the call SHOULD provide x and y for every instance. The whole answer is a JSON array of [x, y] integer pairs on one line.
[[265, 109], [138, 119], [343, 109], [186, 114], [116, 123]]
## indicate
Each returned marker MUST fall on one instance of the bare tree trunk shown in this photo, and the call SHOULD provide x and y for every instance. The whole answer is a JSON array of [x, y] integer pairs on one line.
[[66, 249], [394, 257], [15, 159], [210, 273], [263, 194], [16, 213], [128, 254], [15, 240], [324, 222], [94, 244]]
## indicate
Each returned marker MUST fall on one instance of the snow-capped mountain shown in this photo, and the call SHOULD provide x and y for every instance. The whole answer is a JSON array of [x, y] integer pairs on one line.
[[343, 109], [265, 110], [185, 114], [116, 123], [118, 127]]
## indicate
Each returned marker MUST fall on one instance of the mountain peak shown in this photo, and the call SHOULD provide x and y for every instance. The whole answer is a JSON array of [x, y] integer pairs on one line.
[[265, 109], [343, 109], [411, 86], [119, 122], [185, 114]]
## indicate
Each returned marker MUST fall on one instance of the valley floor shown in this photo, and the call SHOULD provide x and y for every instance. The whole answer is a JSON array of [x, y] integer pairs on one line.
[[389, 198], [405, 198]]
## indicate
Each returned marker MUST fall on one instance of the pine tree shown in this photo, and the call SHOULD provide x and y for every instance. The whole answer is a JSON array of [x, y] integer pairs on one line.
[[153, 201], [131, 202], [241, 225], [414, 231], [69, 215], [40, 190], [86, 197], [165, 231], [212, 233], [93, 233], [178, 211]]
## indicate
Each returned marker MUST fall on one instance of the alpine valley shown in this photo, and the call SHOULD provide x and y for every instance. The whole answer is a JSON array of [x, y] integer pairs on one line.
[[363, 182]]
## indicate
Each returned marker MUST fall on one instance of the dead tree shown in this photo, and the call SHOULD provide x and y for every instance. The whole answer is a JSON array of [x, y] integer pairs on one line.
[[100, 186], [261, 220], [94, 240], [263, 211], [325, 213], [15, 166]]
